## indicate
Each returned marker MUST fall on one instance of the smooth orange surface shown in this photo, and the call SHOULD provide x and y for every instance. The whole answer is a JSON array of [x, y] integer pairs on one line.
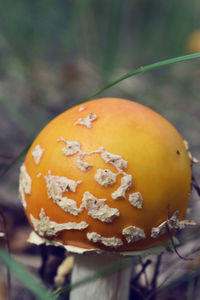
[[157, 160], [193, 42]]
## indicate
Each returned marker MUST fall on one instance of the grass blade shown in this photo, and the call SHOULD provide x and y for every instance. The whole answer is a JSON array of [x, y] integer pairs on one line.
[[128, 75], [114, 267], [145, 69], [29, 281], [15, 160]]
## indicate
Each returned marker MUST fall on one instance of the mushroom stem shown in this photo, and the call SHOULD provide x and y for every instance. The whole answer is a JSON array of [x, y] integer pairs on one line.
[[114, 286]]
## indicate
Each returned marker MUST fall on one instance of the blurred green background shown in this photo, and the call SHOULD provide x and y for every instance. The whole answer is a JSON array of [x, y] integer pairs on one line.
[[55, 53]]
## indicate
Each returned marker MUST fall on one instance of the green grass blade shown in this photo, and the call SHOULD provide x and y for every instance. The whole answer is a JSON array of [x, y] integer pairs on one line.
[[15, 160], [145, 69], [112, 268], [128, 75], [29, 281]]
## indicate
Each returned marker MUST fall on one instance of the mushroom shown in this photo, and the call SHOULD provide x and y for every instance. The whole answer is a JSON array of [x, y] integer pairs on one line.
[[103, 187]]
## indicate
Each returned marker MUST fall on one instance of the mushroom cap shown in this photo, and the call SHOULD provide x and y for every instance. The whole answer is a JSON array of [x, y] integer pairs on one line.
[[106, 175], [193, 42]]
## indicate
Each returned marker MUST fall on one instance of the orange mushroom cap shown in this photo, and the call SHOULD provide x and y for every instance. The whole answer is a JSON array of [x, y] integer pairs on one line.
[[193, 41], [109, 175]]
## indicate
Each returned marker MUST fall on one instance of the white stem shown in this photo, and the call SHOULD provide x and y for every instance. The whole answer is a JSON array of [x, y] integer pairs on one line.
[[111, 287]]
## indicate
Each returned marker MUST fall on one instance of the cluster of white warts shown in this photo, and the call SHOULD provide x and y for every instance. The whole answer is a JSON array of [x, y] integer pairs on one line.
[[96, 208]]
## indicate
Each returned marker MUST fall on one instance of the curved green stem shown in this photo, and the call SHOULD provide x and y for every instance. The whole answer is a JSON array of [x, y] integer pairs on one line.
[[144, 69]]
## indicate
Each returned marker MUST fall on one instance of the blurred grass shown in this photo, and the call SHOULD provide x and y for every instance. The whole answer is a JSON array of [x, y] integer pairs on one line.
[[53, 54], [102, 32], [29, 281]]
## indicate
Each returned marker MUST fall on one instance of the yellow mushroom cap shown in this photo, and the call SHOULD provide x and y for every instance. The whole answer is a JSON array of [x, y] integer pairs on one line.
[[193, 42], [108, 175]]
